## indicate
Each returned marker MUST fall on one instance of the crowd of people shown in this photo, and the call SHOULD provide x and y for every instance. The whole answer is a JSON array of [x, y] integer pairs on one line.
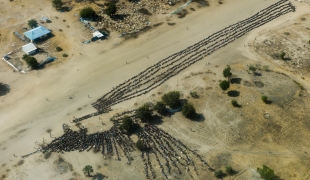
[[170, 154], [160, 72], [109, 142]]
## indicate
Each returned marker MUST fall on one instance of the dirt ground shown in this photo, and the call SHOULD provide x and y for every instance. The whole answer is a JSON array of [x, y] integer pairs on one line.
[[245, 138]]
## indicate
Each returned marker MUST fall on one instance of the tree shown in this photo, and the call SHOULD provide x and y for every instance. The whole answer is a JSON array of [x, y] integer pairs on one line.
[[227, 73], [188, 110], [87, 12], [219, 173], [160, 107], [111, 9], [144, 113], [57, 4], [265, 99], [224, 85], [32, 23], [229, 170], [266, 173], [235, 103], [87, 170], [31, 61], [172, 99], [127, 124], [139, 144]]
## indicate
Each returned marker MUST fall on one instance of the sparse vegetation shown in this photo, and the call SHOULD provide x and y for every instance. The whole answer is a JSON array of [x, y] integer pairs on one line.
[[87, 170], [188, 110], [252, 68], [20, 162], [144, 113], [266, 173], [57, 4], [64, 55], [266, 68], [172, 99], [111, 9], [282, 54], [88, 12], [160, 107], [194, 94], [224, 85], [229, 170], [47, 155], [32, 23], [58, 48]]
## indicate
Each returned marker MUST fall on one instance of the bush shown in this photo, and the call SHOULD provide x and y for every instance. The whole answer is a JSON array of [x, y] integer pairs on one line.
[[265, 99], [309, 42], [111, 9], [224, 85], [282, 55], [172, 99], [32, 23], [144, 113], [58, 48], [87, 12], [235, 103], [64, 55], [229, 170], [226, 72], [266, 173], [188, 110], [252, 68], [194, 94], [139, 144], [57, 4], [219, 174], [31, 61], [160, 107]]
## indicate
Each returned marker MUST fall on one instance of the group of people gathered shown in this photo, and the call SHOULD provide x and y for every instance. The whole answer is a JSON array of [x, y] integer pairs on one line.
[[160, 72]]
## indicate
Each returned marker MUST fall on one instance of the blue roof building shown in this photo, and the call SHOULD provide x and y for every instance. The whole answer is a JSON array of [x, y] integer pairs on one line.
[[37, 33]]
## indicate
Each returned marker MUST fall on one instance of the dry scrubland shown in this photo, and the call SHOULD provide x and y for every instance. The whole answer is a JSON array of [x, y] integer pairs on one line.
[[274, 134]]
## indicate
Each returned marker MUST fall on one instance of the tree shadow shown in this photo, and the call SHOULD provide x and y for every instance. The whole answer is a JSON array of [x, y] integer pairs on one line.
[[198, 117], [156, 120], [233, 93], [235, 80], [257, 73], [4, 89], [98, 176]]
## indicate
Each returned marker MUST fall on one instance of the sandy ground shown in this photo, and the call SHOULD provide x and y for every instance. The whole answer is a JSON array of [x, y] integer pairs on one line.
[[40, 100]]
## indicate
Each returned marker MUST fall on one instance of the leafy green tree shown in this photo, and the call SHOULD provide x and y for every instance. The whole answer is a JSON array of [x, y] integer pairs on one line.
[[32, 23], [227, 72], [219, 174], [87, 170], [266, 173], [188, 110], [31, 61], [160, 107], [139, 144], [224, 85], [127, 124], [144, 113], [87, 12], [172, 99], [57, 4], [229, 170], [111, 9]]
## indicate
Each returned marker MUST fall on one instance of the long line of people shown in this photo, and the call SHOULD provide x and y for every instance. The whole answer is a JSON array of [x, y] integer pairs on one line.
[[160, 72]]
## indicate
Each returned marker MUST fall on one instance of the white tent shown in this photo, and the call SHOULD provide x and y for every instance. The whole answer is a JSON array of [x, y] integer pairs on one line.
[[97, 34], [29, 48]]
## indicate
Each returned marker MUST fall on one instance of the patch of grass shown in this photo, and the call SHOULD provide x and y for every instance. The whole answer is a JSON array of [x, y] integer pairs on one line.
[[58, 49], [60, 30], [79, 109], [3, 176], [64, 20], [194, 94], [265, 100], [49, 130], [64, 55], [20, 162], [235, 103]]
